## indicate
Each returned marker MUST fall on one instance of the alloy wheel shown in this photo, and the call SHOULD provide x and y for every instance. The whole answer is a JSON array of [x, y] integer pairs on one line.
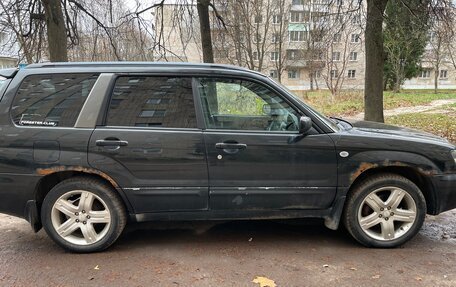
[[387, 213], [81, 217]]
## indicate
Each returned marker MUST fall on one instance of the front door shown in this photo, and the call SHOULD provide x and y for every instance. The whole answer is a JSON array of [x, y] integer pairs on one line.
[[256, 161], [151, 146]]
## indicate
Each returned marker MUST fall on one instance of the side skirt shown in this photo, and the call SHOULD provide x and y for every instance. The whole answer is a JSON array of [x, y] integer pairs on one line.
[[331, 216]]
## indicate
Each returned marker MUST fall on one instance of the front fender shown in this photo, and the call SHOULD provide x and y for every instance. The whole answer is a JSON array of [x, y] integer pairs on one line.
[[351, 167]]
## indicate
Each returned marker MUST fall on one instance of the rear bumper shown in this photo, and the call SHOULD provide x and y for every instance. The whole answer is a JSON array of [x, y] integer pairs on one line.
[[445, 190]]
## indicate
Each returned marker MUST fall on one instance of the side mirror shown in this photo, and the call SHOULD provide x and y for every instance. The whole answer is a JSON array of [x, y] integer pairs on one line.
[[305, 124]]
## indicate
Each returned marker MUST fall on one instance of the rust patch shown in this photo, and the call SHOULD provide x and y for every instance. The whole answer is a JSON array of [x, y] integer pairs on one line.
[[54, 169], [362, 168], [366, 165]]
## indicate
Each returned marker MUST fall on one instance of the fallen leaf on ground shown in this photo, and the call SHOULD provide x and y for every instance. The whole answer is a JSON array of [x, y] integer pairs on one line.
[[97, 267], [264, 282], [376, 276], [353, 268], [325, 265], [419, 279]]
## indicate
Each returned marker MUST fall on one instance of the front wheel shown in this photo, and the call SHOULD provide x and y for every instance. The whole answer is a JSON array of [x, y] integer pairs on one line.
[[83, 215], [384, 211]]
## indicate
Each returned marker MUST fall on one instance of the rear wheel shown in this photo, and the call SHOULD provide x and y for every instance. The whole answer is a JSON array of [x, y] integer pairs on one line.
[[83, 215], [384, 211]]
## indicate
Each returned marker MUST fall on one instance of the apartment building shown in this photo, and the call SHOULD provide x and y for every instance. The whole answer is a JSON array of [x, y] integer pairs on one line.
[[304, 44], [8, 57]]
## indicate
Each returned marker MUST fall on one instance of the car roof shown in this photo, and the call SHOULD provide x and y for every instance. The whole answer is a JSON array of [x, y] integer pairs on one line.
[[167, 65]]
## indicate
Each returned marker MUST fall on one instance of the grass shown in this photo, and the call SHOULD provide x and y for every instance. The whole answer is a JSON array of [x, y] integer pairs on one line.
[[349, 103]]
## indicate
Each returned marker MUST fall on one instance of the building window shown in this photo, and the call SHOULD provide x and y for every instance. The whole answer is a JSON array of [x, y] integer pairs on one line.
[[337, 38], [353, 56], [257, 38], [258, 19], [336, 56], [275, 38], [273, 74], [274, 56], [426, 73], [293, 54], [356, 19], [255, 56], [296, 16], [351, 74], [297, 36], [293, 74], [334, 74], [317, 74], [276, 19], [443, 74], [355, 38]]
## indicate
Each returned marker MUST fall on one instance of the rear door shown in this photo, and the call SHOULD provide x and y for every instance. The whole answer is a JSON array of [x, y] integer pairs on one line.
[[151, 146]]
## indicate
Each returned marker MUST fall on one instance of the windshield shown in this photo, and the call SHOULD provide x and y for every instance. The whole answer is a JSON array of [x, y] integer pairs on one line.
[[317, 114]]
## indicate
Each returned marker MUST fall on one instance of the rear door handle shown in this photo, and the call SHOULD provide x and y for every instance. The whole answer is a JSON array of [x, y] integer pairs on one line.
[[230, 146], [109, 142]]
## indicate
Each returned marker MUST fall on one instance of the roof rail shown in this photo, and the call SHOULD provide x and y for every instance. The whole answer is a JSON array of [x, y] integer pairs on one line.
[[137, 64], [8, 73]]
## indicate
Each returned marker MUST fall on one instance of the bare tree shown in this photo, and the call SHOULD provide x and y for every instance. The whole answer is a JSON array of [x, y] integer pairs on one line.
[[25, 29]]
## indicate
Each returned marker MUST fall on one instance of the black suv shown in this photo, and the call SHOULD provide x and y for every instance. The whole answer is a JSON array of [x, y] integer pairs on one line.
[[86, 147]]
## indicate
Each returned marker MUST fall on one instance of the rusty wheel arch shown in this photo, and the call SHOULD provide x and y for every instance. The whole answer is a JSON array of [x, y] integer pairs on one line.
[[413, 174], [54, 175]]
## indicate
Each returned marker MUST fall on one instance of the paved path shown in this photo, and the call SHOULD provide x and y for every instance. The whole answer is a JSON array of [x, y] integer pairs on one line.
[[409, 110]]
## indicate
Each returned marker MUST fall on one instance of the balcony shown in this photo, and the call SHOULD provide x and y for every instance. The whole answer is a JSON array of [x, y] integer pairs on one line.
[[296, 63]]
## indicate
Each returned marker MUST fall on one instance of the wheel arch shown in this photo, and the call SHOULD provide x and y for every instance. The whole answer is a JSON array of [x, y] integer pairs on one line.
[[53, 176], [411, 173]]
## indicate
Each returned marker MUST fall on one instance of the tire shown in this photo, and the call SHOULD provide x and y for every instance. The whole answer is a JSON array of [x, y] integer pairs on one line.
[[387, 223], [83, 215]]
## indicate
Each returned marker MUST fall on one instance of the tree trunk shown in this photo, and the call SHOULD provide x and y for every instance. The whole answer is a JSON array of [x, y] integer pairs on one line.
[[373, 86], [436, 79], [205, 29], [56, 33]]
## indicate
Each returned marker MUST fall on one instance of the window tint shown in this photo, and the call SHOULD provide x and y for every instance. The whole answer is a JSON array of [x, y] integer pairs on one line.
[[152, 102], [245, 105], [51, 100]]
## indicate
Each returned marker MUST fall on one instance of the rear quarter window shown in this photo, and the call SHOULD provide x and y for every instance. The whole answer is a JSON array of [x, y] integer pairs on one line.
[[52, 99]]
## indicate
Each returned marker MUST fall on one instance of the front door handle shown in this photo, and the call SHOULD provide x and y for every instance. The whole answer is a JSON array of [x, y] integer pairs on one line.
[[111, 142], [230, 147]]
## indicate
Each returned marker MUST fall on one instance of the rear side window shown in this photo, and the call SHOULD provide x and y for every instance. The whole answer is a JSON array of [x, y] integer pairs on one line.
[[51, 100], [152, 102]]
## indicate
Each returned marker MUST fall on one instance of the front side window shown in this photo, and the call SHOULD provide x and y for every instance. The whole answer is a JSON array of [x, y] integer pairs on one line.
[[51, 100], [143, 101], [244, 105]]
